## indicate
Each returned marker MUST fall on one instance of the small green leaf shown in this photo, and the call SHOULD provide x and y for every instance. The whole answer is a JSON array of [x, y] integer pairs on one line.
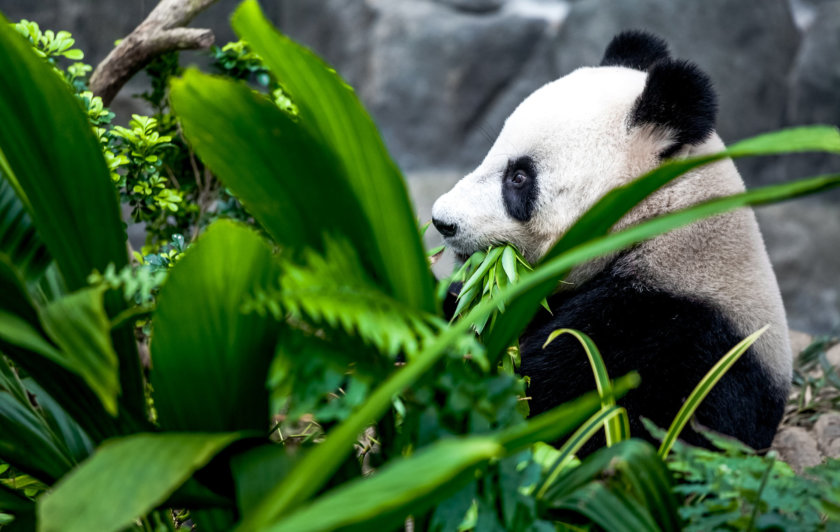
[[75, 54], [509, 264]]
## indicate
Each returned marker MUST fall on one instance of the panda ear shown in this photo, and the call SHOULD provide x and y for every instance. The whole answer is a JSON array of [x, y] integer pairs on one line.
[[635, 49], [678, 99]]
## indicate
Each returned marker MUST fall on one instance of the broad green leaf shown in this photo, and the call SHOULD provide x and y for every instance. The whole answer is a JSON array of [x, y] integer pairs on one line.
[[65, 428], [602, 216], [703, 388], [78, 324], [289, 180], [15, 298], [209, 358], [405, 486], [28, 444], [612, 429], [16, 331], [329, 108], [609, 510], [18, 237], [256, 471], [637, 491], [24, 341], [57, 165], [124, 479]]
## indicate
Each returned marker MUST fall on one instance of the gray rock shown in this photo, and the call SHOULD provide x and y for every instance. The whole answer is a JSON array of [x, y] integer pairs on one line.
[[797, 447], [814, 93], [801, 237], [427, 73], [474, 6], [827, 432]]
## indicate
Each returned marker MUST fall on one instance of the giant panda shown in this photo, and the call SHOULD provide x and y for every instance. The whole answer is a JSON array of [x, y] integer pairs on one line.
[[668, 308]]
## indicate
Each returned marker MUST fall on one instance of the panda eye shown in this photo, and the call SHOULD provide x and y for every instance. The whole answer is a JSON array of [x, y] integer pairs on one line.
[[518, 178]]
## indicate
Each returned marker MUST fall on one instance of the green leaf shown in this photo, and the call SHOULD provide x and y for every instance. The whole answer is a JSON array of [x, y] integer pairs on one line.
[[78, 324], [65, 428], [613, 428], [577, 440], [609, 510], [12, 501], [560, 420], [19, 239], [602, 216], [509, 264], [290, 181], [405, 486], [23, 340], [703, 388], [329, 108], [436, 472], [256, 471], [28, 444], [623, 487], [55, 163], [209, 358], [124, 479], [16, 331]]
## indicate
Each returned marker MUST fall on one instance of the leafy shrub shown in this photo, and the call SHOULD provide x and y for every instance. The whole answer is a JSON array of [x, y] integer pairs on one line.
[[276, 345]]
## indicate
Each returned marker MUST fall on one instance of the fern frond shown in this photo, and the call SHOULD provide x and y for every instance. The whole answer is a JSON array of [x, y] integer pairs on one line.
[[333, 290]]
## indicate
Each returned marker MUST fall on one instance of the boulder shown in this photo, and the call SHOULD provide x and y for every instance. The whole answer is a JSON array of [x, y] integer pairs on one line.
[[827, 432], [797, 447]]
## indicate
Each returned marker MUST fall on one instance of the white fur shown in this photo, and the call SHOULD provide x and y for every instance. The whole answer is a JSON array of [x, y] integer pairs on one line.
[[577, 131]]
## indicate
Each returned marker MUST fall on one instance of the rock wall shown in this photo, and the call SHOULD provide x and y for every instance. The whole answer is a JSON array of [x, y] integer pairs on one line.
[[440, 76]]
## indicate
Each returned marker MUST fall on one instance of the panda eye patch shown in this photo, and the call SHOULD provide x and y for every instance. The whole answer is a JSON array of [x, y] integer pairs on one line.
[[519, 188]]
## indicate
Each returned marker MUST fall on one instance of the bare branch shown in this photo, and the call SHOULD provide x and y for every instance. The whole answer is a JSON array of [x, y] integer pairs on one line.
[[162, 31]]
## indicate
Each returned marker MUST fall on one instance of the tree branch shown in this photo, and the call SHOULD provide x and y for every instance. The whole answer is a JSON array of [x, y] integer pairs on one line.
[[162, 31]]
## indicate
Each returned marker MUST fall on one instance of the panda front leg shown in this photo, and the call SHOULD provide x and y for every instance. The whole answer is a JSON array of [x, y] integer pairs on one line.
[[670, 340]]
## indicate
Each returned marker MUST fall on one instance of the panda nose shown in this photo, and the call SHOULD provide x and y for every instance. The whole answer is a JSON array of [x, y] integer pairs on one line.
[[444, 228]]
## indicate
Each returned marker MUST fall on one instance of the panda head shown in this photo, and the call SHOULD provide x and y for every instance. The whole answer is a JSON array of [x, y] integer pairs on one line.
[[572, 141]]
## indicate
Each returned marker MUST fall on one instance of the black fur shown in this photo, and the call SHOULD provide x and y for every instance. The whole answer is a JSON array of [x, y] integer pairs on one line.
[[520, 198], [677, 96], [671, 341], [635, 49]]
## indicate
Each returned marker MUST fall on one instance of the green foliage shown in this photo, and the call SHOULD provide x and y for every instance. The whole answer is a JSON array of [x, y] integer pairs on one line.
[[334, 291], [736, 489], [49, 44], [293, 353]]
